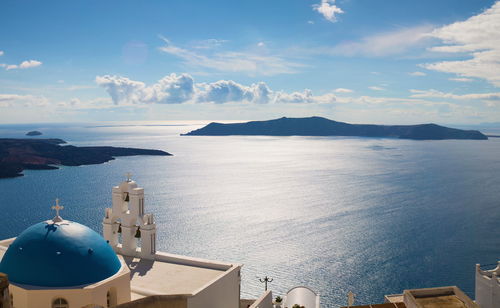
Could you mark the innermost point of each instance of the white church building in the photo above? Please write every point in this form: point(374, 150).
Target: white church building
point(59, 263)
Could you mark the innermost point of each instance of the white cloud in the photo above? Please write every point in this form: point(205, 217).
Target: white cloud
point(420, 106)
point(310, 22)
point(20, 102)
point(385, 44)
point(328, 9)
point(179, 89)
point(171, 89)
point(261, 44)
point(305, 96)
point(77, 87)
point(75, 101)
point(225, 91)
point(96, 103)
point(439, 94)
point(365, 100)
point(15, 100)
point(461, 79)
point(343, 90)
point(29, 64)
point(479, 38)
point(375, 88)
point(295, 97)
point(23, 65)
point(209, 43)
point(417, 74)
point(252, 63)
point(394, 110)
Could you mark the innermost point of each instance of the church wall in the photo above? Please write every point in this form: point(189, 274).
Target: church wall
point(223, 292)
point(158, 301)
point(43, 298)
point(93, 294)
point(119, 285)
point(19, 295)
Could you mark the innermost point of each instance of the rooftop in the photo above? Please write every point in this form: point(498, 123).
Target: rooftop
point(171, 277)
point(386, 305)
point(441, 297)
point(445, 301)
point(394, 298)
point(4, 244)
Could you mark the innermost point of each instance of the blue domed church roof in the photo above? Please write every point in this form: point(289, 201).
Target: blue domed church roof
point(61, 254)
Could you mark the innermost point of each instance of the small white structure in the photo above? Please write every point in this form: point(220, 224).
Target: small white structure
point(488, 287)
point(302, 296)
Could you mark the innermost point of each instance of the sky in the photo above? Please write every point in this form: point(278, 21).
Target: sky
point(359, 61)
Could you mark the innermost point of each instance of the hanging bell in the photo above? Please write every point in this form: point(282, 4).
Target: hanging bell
point(138, 233)
point(126, 199)
point(120, 228)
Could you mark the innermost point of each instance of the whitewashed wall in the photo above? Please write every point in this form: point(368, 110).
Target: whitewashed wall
point(93, 294)
point(223, 292)
point(487, 288)
point(264, 301)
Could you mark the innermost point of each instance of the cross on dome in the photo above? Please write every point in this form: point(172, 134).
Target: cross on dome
point(129, 176)
point(57, 208)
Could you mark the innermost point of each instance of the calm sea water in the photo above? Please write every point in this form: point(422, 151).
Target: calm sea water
point(372, 216)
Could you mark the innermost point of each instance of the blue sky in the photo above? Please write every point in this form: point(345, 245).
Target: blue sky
point(362, 61)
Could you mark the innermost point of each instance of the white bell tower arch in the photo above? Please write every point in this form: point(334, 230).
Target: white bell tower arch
point(127, 216)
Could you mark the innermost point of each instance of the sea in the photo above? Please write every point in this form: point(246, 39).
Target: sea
point(373, 216)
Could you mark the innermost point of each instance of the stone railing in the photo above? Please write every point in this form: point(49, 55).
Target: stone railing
point(488, 273)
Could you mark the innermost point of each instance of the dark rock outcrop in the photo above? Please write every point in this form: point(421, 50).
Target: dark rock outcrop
point(17, 155)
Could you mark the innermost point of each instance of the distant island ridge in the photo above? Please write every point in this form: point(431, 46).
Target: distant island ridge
point(17, 155)
point(318, 126)
point(34, 133)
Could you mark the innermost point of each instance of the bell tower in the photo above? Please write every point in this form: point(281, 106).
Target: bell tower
point(126, 227)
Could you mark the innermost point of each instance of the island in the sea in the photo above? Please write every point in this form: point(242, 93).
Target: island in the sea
point(318, 126)
point(34, 133)
point(17, 155)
